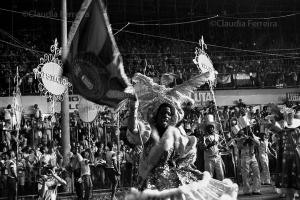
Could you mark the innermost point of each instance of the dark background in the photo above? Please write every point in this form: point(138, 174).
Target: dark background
point(168, 11)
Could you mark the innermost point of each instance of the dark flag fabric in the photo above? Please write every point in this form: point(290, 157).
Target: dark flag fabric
point(93, 62)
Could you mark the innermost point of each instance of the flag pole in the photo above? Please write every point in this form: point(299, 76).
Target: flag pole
point(118, 140)
point(65, 103)
point(16, 127)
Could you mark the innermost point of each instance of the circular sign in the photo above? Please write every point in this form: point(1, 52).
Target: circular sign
point(88, 110)
point(205, 63)
point(51, 75)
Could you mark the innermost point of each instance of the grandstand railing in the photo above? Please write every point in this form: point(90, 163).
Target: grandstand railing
point(224, 81)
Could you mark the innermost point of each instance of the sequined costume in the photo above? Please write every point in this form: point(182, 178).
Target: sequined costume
point(168, 165)
point(288, 162)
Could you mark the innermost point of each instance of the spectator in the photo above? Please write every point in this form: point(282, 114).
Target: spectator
point(241, 104)
point(12, 176)
point(8, 113)
point(48, 183)
point(37, 113)
point(86, 174)
point(76, 169)
point(112, 169)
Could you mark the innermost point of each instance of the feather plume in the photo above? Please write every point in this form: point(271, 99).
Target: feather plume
point(151, 94)
point(189, 86)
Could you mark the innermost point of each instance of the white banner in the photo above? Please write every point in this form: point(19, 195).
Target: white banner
point(294, 97)
point(18, 108)
point(201, 98)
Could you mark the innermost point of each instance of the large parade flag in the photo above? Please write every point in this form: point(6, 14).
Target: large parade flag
point(93, 62)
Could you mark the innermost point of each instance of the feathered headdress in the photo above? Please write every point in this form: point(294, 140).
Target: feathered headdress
point(279, 114)
point(151, 95)
point(282, 111)
point(286, 110)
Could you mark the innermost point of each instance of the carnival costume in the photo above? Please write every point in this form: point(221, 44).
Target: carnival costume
point(247, 144)
point(166, 165)
point(288, 148)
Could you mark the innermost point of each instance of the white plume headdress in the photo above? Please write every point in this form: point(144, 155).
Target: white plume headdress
point(151, 95)
point(286, 110)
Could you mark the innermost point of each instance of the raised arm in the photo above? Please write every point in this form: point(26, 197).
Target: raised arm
point(133, 114)
point(138, 131)
point(254, 138)
point(79, 157)
point(60, 180)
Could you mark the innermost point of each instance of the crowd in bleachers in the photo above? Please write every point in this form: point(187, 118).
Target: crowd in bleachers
point(154, 57)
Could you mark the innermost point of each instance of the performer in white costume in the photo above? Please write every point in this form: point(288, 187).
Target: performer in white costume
point(168, 155)
point(246, 144)
point(212, 157)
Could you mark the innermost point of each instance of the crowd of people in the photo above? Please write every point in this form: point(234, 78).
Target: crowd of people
point(256, 140)
point(225, 147)
point(156, 57)
point(234, 142)
point(38, 146)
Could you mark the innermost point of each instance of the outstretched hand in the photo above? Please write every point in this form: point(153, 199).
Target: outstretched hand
point(52, 172)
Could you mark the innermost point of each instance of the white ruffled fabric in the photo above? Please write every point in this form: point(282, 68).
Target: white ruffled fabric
point(205, 189)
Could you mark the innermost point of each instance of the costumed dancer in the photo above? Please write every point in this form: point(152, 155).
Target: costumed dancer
point(165, 149)
point(264, 149)
point(246, 144)
point(288, 162)
point(212, 158)
point(168, 155)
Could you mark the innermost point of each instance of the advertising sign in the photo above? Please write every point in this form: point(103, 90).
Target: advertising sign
point(49, 73)
point(88, 110)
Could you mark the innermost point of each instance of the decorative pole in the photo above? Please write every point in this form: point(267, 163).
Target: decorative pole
point(65, 103)
point(202, 44)
point(201, 51)
point(16, 92)
point(118, 140)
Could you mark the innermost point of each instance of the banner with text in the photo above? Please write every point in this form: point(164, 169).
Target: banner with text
point(293, 97)
point(201, 98)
